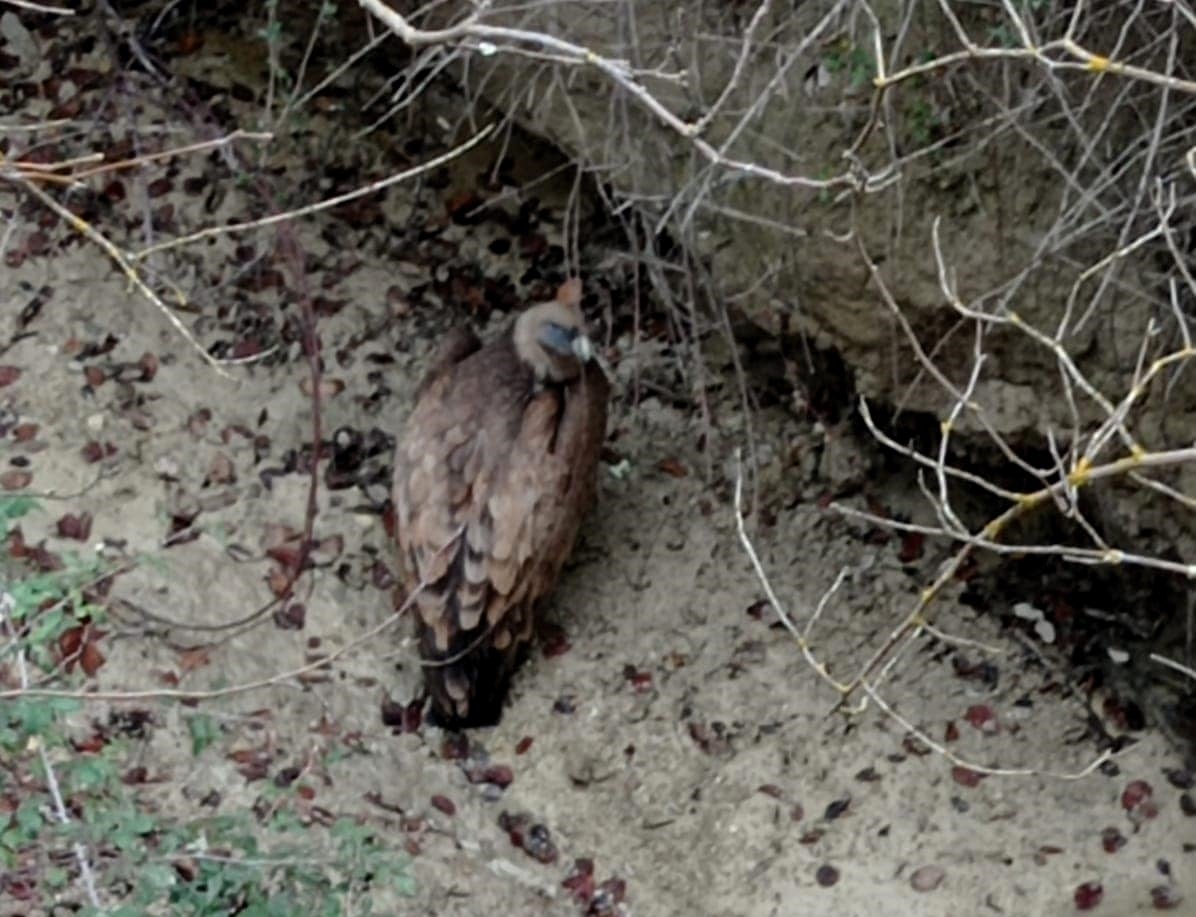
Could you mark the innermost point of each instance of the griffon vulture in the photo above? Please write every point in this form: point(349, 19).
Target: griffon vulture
point(493, 473)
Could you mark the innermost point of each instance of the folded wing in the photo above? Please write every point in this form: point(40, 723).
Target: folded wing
point(492, 479)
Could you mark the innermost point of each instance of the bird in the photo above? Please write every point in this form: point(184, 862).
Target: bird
point(494, 471)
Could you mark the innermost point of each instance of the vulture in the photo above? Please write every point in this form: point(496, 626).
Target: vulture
point(493, 473)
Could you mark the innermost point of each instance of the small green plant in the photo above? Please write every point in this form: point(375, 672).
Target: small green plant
point(1004, 35)
point(75, 814)
point(922, 122)
point(225, 865)
point(204, 731)
point(13, 508)
point(856, 63)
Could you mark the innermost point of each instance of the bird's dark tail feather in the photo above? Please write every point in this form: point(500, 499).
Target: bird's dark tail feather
point(484, 676)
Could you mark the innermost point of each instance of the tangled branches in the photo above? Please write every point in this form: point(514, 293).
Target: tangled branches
point(987, 210)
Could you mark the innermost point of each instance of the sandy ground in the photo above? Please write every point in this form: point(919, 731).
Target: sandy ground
point(680, 741)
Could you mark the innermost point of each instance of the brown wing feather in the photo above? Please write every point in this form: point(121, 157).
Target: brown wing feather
point(458, 344)
point(491, 483)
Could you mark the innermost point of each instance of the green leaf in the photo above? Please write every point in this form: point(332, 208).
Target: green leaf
point(61, 706)
point(204, 731)
point(121, 911)
point(13, 508)
point(13, 840)
point(271, 34)
point(404, 882)
point(28, 818)
point(89, 773)
point(159, 877)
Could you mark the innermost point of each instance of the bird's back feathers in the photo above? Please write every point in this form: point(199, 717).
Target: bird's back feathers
point(492, 477)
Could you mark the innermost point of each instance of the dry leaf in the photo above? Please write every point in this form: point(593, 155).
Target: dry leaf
point(16, 479)
point(221, 470)
point(194, 658)
point(91, 658)
point(75, 527)
point(673, 468)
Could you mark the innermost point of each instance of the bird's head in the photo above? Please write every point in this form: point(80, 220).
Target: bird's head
point(551, 337)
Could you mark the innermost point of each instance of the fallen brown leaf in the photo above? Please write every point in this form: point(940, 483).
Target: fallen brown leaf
point(91, 659)
point(194, 658)
point(673, 468)
point(16, 479)
point(75, 527)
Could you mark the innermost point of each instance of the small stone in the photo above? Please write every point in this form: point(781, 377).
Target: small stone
point(1187, 804)
point(927, 878)
point(1165, 897)
point(826, 876)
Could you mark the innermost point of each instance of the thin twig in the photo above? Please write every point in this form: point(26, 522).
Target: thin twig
point(1172, 664)
point(371, 188)
point(123, 261)
point(40, 7)
point(82, 856)
point(214, 693)
point(618, 72)
point(870, 689)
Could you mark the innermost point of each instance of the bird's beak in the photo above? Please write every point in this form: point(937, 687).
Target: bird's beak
point(583, 349)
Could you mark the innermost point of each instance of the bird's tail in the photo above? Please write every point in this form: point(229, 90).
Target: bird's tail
point(467, 686)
